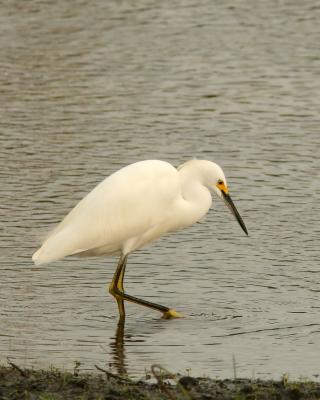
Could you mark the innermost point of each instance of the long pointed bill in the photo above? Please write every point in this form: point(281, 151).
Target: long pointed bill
point(234, 211)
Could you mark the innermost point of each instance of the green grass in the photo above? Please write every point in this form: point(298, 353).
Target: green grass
point(53, 384)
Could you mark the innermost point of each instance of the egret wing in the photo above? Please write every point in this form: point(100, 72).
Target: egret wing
point(123, 206)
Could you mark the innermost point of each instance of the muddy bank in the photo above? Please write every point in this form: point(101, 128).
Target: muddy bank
point(19, 384)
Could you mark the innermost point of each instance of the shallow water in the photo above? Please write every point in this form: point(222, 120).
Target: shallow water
point(88, 88)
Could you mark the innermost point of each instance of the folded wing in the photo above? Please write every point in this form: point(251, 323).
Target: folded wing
point(123, 206)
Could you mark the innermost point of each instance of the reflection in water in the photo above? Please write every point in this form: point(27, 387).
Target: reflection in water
point(118, 349)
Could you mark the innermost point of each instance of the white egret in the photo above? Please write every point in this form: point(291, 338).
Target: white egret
point(132, 207)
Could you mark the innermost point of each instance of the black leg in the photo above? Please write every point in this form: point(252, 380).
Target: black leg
point(117, 290)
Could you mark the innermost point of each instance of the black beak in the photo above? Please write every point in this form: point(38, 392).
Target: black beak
point(234, 211)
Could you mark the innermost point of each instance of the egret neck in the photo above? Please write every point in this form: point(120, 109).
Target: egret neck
point(197, 196)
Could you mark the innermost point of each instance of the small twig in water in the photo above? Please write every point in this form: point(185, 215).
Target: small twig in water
point(234, 366)
point(14, 366)
point(111, 375)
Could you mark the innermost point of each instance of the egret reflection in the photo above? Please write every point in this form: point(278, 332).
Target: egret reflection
point(117, 346)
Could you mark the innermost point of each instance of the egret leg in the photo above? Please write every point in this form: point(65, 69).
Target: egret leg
point(116, 286)
point(121, 276)
point(120, 287)
point(117, 290)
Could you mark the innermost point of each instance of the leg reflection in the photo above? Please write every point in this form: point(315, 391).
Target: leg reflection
point(118, 349)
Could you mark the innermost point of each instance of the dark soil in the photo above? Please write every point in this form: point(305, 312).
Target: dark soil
point(19, 384)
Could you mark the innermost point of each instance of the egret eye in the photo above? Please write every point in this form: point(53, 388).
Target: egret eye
point(220, 182)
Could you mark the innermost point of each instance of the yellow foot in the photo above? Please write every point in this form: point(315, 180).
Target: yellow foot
point(172, 314)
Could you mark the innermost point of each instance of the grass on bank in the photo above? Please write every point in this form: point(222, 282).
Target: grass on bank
point(18, 383)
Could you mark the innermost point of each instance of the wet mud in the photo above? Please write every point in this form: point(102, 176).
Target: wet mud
point(18, 384)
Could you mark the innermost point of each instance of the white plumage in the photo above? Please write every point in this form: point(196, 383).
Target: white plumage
point(134, 206)
point(129, 208)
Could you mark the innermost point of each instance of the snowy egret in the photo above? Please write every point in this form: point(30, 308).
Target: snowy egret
point(132, 207)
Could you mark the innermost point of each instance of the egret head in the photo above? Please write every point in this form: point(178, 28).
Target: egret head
point(218, 184)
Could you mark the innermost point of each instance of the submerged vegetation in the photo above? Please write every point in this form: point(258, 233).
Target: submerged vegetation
point(18, 384)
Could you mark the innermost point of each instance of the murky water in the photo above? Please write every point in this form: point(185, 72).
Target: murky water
point(88, 87)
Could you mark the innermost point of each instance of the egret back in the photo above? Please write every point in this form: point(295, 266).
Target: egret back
point(126, 205)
